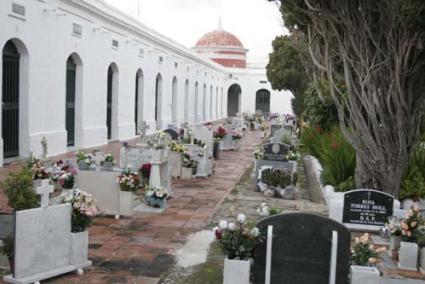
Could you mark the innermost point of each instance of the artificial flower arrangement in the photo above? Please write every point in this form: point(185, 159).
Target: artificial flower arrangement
point(393, 227)
point(294, 156)
point(220, 132)
point(157, 193)
point(145, 170)
point(176, 147)
point(84, 158)
point(363, 253)
point(188, 161)
point(83, 210)
point(38, 171)
point(236, 135)
point(128, 181)
point(237, 240)
point(259, 154)
point(67, 179)
point(265, 210)
point(107, 158)
point(410, 224)
point(56, 170)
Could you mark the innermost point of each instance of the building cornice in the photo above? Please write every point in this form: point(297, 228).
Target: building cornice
point(110, 14)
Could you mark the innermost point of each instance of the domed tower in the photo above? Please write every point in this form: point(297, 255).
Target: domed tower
point(222, 47)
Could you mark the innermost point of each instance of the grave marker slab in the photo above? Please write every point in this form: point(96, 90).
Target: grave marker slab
point(276, 151)
point(367, 208)
point(302, 245)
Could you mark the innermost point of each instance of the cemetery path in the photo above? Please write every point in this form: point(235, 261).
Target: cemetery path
point(139, 249)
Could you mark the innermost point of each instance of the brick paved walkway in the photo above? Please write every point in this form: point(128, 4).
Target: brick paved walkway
point(139, 249)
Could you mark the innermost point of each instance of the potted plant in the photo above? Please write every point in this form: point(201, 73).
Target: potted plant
point(408, 253)
point(67, 181)
point(18, 188)
point(237, 240)
point(108, 162)
point(129, 183)
point(420, 240)
point(156, 197)
point(39, 172)
point(84, 161)
point(189, 166)
point(363, 260)
point(145, 172)
point(83, 211)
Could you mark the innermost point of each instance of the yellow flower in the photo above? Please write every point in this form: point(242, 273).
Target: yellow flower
point(372, 260)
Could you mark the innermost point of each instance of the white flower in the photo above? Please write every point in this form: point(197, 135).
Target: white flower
point(232, 226)
point(222, 224)
point(216, 229)
point(255, 232)
point(241, 218)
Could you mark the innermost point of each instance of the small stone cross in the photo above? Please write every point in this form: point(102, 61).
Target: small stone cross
point(98, 157)
point(142, 128)
point(44, 189)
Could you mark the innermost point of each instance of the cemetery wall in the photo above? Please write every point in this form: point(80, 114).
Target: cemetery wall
point(98, 36)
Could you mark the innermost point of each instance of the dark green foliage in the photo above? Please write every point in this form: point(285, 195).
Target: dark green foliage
point(79, 221)
point(413, 185)
point(8, 246)
point(276, 177)
point(335, 154)
point(18, 189)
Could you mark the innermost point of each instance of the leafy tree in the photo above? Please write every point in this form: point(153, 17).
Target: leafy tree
point(372, 54)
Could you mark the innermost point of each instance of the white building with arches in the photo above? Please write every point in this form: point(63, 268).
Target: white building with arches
point(81, 73)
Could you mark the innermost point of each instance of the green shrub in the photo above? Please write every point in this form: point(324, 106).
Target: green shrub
point(8, 246)
point(335, 154)
point(276, 177)
point(413, 185)
point(18, 189)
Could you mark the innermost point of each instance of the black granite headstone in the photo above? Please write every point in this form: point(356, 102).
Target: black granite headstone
point(367, 207)
point(301, 250)
point(174, 135)
point(276, 151)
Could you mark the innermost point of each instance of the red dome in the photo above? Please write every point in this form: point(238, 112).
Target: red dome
point(219, 38)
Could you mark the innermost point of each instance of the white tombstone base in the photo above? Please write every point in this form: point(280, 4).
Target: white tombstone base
point(46, 274)
point(236, 271)
point(364, 275)
point(408, 256)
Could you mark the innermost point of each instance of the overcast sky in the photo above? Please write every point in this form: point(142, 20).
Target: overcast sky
point(255, 22)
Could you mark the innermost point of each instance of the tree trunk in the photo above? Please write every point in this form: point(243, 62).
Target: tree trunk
point(363, 177)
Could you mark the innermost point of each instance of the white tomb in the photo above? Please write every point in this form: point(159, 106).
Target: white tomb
point(43, 246)
point(201, 155)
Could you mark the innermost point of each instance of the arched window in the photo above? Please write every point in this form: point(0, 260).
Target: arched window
point(204, 103)
point(71, 80)
point(158, 101)
point(138, 100)
point(186, 101)
point(174, 102)
point(233, 100)
point(216, 103)
point(112, 95)
point(196, 114)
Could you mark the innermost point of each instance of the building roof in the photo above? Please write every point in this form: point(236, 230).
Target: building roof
point(218, 38)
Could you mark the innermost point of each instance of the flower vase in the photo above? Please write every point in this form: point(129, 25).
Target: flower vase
point(126, 203)
point(364, 275)
point(422, 260)
point(408, 256)
point(79, 245)
point(83, 166)
point(394, 243)
point(156, 202)
point(236, 271)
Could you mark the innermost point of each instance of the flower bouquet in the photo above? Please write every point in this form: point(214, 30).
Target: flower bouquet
point(258, 154)
point(67, 180)
point(83, 210)
point(156, 197)
point(145, 171)
point(38, 171)
point(176, 147)
point(128, 181)
point(265, 210)
point(220, 132)
point(84, 160)
point(237, 239)
point(363, 253)
point(236, 135)
point(108, 161)
point(410, 224)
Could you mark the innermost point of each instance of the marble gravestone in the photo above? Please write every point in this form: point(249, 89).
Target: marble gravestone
point(301, 250)
point(281, 133)
point(367, 209)
point(274, 127)
point(276, 151)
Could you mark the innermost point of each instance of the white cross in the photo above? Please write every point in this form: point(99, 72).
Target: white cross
point(98, 157)
point(142, 128)
point(44, 190)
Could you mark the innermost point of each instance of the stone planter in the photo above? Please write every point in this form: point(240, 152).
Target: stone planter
point(408, 256)
point(422, 260)
point(364, 275)
point(187, 173)
point(236, 271)
point(156, 202)
point(394, 243)
point(83, 166)
point(79, 245)
point(126, 202)
point(107, 167)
